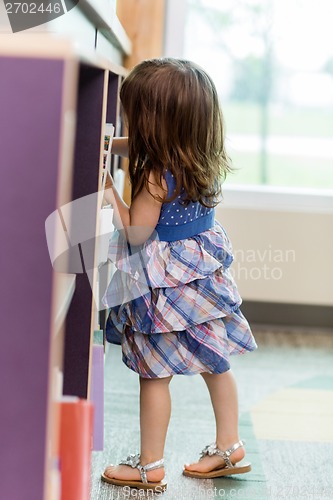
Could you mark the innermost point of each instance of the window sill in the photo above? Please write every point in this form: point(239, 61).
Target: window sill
point(278, 198)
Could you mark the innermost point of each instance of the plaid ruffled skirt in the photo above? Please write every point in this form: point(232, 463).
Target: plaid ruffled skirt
point(174, 305)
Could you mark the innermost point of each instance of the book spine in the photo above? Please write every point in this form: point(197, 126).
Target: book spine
point(76, 425)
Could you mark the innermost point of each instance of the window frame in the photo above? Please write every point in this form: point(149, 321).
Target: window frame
point(257, 196)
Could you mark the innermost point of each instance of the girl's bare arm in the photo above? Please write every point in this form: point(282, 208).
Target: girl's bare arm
point(120, 146)
point(140, 219)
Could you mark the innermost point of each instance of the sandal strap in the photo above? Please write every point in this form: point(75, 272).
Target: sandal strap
point(152, 466)
point(212, 449)
point(134, 461)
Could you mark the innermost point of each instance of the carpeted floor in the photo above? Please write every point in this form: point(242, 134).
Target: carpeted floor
point(286, 418)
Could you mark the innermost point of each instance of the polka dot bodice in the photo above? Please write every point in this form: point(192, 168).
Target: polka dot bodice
point(178, 221)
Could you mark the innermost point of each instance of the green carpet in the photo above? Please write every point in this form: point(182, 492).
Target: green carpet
point(245, 486)
point(320, 382)
point(275, 472)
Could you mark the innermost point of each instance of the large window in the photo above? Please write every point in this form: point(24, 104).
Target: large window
point(272, 61)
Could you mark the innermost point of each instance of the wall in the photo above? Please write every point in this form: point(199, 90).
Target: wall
point(143, 21)
point(283, 243)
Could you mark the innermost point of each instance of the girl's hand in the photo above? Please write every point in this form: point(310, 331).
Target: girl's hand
point(109, 180)
point(120, 146)
point(109, 183)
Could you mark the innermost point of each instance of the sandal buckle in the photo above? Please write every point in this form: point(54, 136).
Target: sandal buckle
point(134, 462)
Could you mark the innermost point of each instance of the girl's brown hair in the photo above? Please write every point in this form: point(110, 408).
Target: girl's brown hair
point(175, 123)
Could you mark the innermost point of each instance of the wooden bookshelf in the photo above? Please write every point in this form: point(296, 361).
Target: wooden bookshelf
point(55, 98)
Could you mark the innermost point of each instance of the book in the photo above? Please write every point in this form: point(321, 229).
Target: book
point(108, 137)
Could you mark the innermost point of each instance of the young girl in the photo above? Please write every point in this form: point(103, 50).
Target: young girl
point(173, 293)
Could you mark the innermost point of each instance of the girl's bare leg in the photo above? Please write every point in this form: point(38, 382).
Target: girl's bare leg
point(223, 393)
point(155, 411)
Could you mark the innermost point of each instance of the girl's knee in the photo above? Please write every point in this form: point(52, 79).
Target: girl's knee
point(156, 380)
point(211, 376)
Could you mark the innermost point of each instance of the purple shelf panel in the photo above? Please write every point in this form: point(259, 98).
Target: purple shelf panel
point(113, 89)
point(111, 112)
point(97, 396)
point(85, 182)
point(30, 104)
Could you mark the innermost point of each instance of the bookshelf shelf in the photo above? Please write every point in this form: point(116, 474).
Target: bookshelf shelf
point(55, 99)
point(65, 287)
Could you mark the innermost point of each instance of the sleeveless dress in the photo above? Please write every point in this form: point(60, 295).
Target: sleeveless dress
point(174, 305)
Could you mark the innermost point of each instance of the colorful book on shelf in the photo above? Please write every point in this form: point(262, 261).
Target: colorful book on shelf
point(108, 137)
point(97, 392)
point(75, 445)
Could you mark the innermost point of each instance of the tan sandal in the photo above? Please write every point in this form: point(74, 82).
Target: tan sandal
point(228, 468)
point(134, 462)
